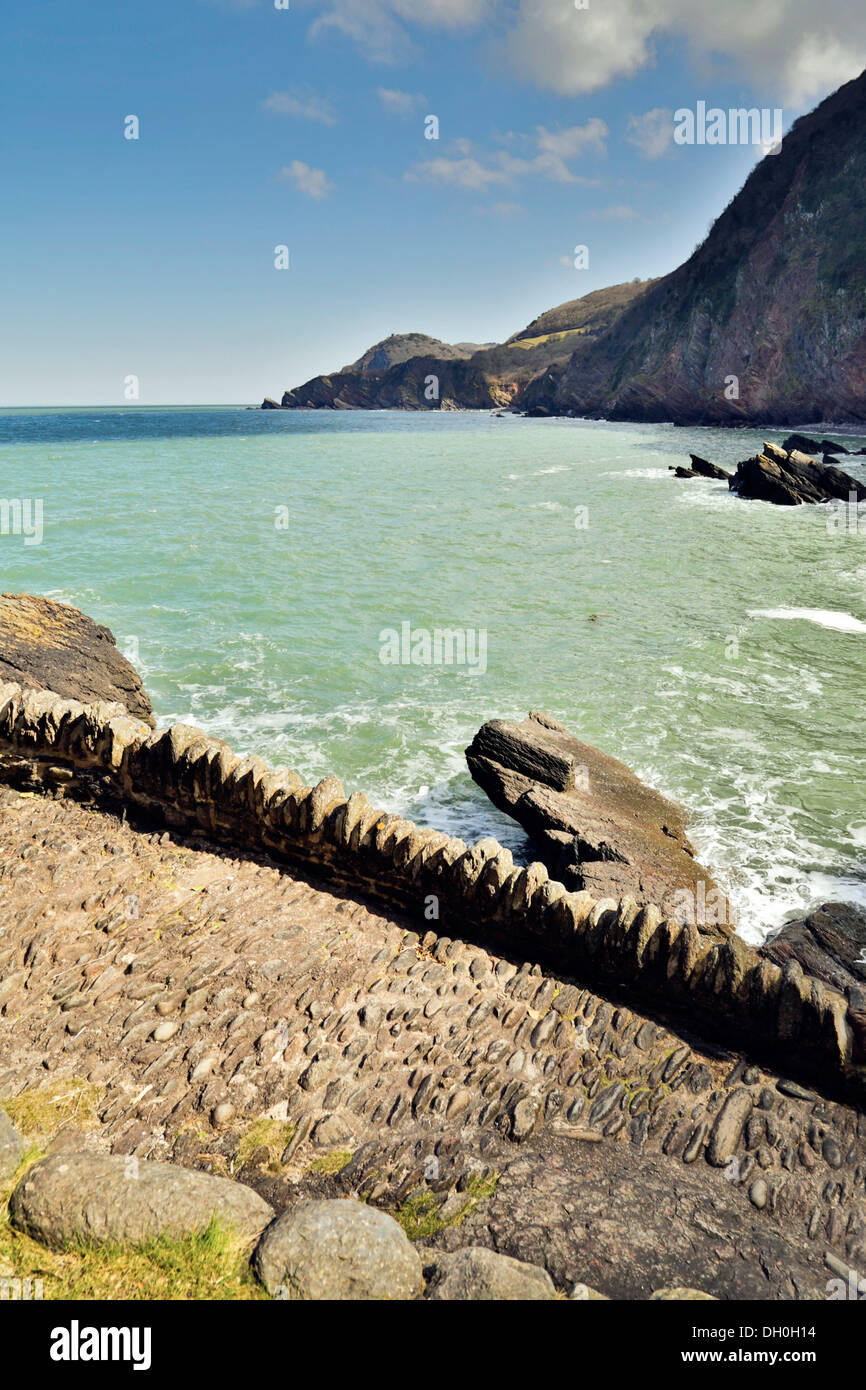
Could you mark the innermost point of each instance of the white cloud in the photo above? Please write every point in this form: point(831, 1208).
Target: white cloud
point(619, 212)
point(652, 133)
point(303, 103)
point(556, 147)
point(458, 173)
point(545, 156)
point(312, 182)
point(398, 103)
point(378, 26)
point(792, 51)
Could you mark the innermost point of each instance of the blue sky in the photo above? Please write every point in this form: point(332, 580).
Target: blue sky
point(305, 127)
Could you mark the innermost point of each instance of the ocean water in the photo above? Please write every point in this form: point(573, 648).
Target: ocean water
point(249, 562)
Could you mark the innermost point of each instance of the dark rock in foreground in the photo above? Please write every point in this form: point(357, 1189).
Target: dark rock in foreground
point(830, 945)
point(50, 646)
point(597, 826)
point(700, 468)
point(789, 479)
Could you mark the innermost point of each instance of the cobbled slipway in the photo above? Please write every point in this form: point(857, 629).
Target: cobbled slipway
point(201, 994)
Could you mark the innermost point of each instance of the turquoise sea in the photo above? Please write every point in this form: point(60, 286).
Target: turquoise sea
point(249, 562)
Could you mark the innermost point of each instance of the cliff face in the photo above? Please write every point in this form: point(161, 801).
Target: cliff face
point(423, 383)
point(395, 374)
point(775, 297)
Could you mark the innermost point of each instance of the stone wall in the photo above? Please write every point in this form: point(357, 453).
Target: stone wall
point(183, 779)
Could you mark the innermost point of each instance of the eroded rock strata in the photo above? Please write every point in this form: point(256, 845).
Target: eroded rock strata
point(49, 645)
point(792, 478)
point(596, 826)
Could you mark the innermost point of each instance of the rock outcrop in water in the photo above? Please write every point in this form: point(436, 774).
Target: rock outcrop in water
point(700, 468)
point(790, 479)
point(50, 646)
point(596, 825)
point(806, 445)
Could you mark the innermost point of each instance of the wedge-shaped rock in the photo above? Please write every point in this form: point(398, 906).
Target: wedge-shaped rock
point(596, 826)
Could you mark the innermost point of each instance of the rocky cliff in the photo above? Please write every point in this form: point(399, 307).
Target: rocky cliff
point(766, 322)
point(396, 373)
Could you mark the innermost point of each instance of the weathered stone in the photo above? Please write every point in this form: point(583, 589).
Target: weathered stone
point(790, 478)
point(626, 838)
point(88, 1197)
point(49, 645)
point(339, 1249)
point(481, 1274)
point(728, 1127)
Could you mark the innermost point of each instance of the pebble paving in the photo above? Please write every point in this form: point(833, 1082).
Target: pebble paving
point(230, 1015)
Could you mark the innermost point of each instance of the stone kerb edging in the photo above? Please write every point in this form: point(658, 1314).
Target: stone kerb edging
point(187, 780)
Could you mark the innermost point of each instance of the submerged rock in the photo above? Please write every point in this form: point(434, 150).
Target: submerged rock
point(48, 645)
point(596, 825)
point(789, 479)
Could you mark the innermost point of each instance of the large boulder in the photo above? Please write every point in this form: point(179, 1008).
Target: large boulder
point(49, 646)
point(338, 1249)
point(596, 826)
point(82, 1196)
point(792, 478)
point(483, 1275)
